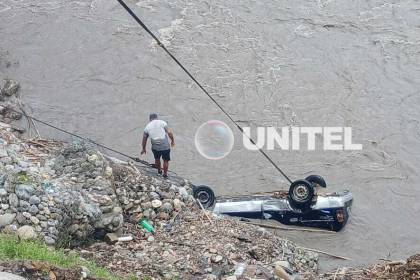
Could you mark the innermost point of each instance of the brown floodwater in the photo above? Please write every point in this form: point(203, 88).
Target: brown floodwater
point(87, 67)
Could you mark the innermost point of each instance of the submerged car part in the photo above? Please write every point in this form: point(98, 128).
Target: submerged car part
point(205, 195)
point(330, 211)
point(299, 206)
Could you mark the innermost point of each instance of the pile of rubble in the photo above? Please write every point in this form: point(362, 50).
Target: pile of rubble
point(24, 270)
point(197, 245)
point(70, 192)
point(387, 270)
point(9, 105)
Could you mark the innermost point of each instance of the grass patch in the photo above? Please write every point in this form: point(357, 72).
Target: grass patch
point(13, 249)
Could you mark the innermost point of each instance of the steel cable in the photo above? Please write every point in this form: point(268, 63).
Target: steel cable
point(140, 22)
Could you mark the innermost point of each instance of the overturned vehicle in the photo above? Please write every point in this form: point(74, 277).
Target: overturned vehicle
point(302, 205)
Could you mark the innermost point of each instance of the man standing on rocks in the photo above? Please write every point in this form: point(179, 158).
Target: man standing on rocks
point(159, 132)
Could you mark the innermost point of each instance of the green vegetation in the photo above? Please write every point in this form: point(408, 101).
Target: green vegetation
point(13, 249)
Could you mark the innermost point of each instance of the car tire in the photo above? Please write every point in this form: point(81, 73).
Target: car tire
point(205, 195)
point(316, 180)
point(301, 193)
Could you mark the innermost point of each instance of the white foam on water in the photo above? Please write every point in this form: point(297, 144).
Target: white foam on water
point(167, 34)
point(304, 31)
point(4, 7)
point(147, 4)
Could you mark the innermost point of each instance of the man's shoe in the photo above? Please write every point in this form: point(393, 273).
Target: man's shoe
point(160, 172)
point(165, 176)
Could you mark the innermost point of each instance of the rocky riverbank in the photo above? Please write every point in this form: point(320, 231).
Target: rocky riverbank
point(71, 195)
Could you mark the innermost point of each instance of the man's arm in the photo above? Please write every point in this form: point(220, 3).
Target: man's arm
point(171, 136)
point(143, 143)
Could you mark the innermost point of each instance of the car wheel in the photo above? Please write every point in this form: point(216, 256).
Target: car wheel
point(301, 193)
point(316, 180)
point(205, 195)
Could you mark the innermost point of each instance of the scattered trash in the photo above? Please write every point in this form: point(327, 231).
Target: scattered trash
point(239, 269)
point(146, 225)
point(125, 238)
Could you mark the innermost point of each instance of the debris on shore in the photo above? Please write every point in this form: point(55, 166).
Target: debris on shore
point(40, 270)
point(386, 270)
point(190, 246)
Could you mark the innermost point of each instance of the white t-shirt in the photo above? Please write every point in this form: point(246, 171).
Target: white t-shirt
point(157, 131)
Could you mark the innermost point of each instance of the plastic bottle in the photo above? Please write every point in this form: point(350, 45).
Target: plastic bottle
point(146, 225)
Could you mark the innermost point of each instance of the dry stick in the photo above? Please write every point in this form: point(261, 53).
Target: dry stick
point(134, 167)
point(32, 141)
point(204, 210)
point(284, 245)
point(396, 263)
point(335, 274)
point(290, 228)
point(176, 216)
point(45, 147)
point(30, 120)
point(326, 253)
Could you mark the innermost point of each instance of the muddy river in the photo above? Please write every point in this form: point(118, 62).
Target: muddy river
point(87, 67)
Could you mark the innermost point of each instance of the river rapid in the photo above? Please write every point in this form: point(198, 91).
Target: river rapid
point(88, 67)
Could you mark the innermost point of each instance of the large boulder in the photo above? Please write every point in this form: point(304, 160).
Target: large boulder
point(7, 219)
point(24, 191)
point(26, 233)
point(13, 200)
point(9, 276)
point(10, 88)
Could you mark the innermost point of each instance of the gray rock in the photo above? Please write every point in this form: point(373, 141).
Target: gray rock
point(10, 229)
point(34, 220)
point(10, 88)
point(27, 215)
point(111, 238)
point(183, 192)
point(49, 240)
point(53, 230)
point(7, 219)
point(3, 152)
point(41, 217)
point(167, 207)
point(26, 233)
point(177, 204)
point(33, 210)
point(9, 276)
point(105, 221)
point(20, 218)
point(154, 195)
point(24, 191)
point(34, 200)
point(85, 272)
point(146, 205)
point(92, 210)
point(3, 192)
point(13, 200)
point(9, 187)
point(284, 264)
point(217, 259)
point(106, 209)
point(6, 160)
point(24, 204)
